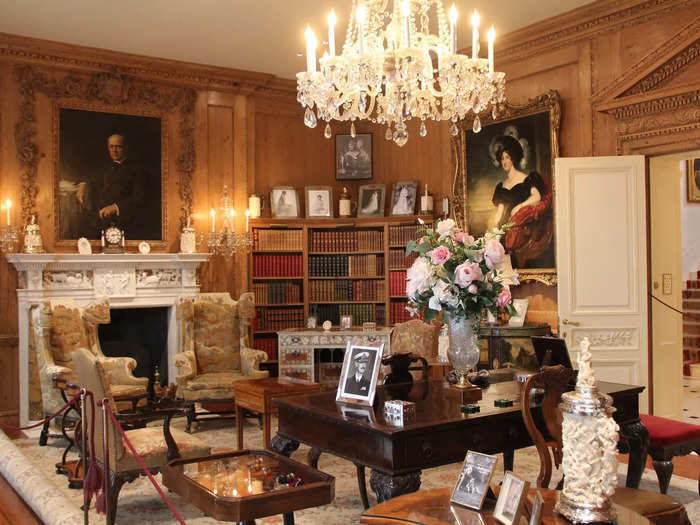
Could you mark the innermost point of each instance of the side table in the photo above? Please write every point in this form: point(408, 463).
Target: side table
point(257, 395)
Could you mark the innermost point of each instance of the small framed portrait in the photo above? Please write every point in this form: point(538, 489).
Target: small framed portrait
point(345, 322)
point(536, 513)
point(319, 201)
point(473, 482)
point(284, 202)
point(353, 156)
point(403, 198)
point(358, 378)
point(511, 499)
point(312, 321)
point(693, 174)
point(371, 200)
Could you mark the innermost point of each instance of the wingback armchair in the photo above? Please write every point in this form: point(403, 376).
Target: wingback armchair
point(214, 351)
point(59, 327)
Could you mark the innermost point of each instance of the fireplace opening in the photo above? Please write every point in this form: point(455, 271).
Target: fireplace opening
point(140, 333)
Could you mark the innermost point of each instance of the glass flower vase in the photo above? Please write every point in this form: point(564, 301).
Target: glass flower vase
point(463, 352)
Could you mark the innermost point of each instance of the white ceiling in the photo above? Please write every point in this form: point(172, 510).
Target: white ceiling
point(259, 35)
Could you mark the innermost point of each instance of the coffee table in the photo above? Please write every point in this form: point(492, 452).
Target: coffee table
point(257, 395)
point(245, 485)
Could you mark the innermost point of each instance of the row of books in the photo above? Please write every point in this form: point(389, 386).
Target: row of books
point(267, 345)
point(346, 241)
point(278, 318)
point(402, 233)
point(399, 314)
point(398, 259)
point(397, 283)
point(277, 266)
point(346, 290)
point(370, 265)
point(277, 292)
point(361, 313)
point(277, 240)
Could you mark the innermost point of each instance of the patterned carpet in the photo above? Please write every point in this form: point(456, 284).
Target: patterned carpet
point(140, 504)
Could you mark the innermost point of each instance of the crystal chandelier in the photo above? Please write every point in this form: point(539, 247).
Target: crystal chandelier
point(393, 69)
point(226, 241)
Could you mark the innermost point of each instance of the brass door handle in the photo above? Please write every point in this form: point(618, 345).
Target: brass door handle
point(572, 323)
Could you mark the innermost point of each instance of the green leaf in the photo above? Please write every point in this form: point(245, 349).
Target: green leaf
point(430, 314)
point(411, 246)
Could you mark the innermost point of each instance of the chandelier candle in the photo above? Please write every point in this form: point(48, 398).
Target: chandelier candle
point(8, 205)
point(453, 27)
point(213, 220)
point(406, 13)
point(475, 35)
point(361, 14)
point(310, 51)
point(331, 33)
point(491, 37)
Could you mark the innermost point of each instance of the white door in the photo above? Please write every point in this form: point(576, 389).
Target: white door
point(602, 264)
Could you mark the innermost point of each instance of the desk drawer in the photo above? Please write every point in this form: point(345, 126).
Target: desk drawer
point(296, 356)
point(304, 373)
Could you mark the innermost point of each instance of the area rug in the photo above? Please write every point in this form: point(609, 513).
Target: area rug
point(140, 504)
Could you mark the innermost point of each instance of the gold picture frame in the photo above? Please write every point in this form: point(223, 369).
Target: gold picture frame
point(693, 175)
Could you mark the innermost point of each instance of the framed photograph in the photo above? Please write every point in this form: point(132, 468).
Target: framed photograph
point(284, 202)
point(312, 321)
point(345, 322)
point(511, 499)
point(693, 174)
point(319, 201)
point(358, 378)
point(403, 198)
point(473, 481)
point(110, 169)
point(536, 512)
point(371, 200)
point(353, 156)
point(507, 176)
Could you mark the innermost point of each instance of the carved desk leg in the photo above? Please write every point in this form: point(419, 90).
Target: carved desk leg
point(637, 437)
point(283, 445)
point(386, 486)
point(312, 457)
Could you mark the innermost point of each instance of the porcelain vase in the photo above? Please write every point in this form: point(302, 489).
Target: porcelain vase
point(463, 352)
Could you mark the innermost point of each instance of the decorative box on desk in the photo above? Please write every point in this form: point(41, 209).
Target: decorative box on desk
point(300, 350)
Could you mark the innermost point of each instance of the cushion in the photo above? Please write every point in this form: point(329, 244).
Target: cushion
point(646, 503)
point(215, 380)
point(663, 431)
point(126, 390)
point(418, 337)
point(67, 334)
point(149, 442)
point(216, 337)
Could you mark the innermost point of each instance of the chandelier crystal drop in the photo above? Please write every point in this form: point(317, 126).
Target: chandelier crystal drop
point(392, 68)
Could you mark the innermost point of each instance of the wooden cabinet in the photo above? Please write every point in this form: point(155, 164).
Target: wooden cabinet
point(328, 268)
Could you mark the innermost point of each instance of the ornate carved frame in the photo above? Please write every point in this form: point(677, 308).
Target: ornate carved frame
point(58, 105)
point(548, 102)
point(107, 90)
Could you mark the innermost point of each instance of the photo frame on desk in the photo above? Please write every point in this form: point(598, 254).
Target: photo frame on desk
point(359, 375)
point(551, 351)
point(473, 482)
point(511, 499)
point(319, 201)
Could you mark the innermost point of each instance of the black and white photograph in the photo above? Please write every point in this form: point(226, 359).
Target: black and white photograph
point(319, 201)
point(403, 198)
point(473, 481)
point(536, 513)
point(346, 322)
point(510, 500)
point(371, 200)
point(358, 378)
point(284, 202)
point(353, 156)
point(109, 171)
point(693, 174)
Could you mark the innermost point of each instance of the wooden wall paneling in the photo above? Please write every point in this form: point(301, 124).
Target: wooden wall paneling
point(240, 187)
point(9, 386)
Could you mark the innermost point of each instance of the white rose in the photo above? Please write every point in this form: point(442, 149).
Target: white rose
point(445, 228)
point(434, 303)
point(494, 253)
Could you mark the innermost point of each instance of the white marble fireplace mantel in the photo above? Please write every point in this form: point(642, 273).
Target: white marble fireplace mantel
point(129, 280)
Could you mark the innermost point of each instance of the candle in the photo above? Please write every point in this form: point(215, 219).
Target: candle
point(406, 13)
point(492, 37)
point(188, 222)
point(255, 206)
point(475, 35)
point(452, 14)
point(213, 220)
point(331, 33)
point(360, 23)
point(232, 214)
point(310, 50)
point(247, 218)
point(8, 205)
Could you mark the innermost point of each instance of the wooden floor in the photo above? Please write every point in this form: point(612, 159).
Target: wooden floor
point(683, 466)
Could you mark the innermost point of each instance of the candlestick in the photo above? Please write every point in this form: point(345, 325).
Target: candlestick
point(310, 50)
point(491, 37)
point(360, 23)
point(331, 33)
point(426, 190)
point(188, 223)
point(475, 35)
point(247, 217)
point(452, 14)
point(213, 220)
point(406, 13)
point(8, 205)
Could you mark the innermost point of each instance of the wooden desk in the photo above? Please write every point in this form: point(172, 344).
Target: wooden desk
point(257, 394)
point(441, 433)
point(432, 507)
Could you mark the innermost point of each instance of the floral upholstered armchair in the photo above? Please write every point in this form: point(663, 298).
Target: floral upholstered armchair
point(419, 338)
point(58, 327)
point(214, 350)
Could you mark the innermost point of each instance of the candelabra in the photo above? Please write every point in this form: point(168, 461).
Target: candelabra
point(226, 241)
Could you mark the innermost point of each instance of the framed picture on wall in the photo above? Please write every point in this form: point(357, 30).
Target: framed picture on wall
point(508, 177)
point(284, 202)
point(353, 156)
point(693, 174)
point(110, 169)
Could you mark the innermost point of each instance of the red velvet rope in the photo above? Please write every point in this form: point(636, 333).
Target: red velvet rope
point(140, 461)
point(65, 407)
point(686, 315)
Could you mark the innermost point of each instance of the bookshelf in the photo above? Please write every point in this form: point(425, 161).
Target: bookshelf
point(328, 268)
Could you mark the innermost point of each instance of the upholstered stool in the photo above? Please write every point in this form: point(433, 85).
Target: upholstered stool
point(668, 438)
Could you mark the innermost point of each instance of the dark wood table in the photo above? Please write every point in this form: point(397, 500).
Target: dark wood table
point(441, 433)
